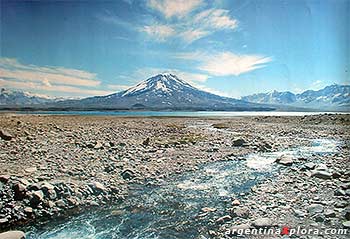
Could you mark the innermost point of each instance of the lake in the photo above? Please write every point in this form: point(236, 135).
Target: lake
point(175, 113)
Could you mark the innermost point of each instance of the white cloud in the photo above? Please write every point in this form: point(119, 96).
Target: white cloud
point(11, 68)
point(177, 8)
point(118, 87)
point(215, 19)
point(192, 35)
point(159, 32)
point(227, 63)
point(37, 86)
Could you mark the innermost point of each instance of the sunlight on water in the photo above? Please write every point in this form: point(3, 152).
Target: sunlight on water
point(264, 161)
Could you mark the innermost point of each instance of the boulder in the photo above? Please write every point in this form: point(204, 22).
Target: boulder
point(20, 191)
point(238, 142)
point(12, 235)
point(310, 165)
point(5, 135)
point(262, 222)
point(224, 219)
point(37, 198)
point(98, 187)
point(321, 174)
point(329, 213)
point(146, 142)
point(4, 178)
point(315, 208)
point(127, 174)
point(98, 145)
point(346, 224)
point(285, 160)
point(242, 212)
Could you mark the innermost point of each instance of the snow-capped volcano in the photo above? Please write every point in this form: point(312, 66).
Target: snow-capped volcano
point(165, 83)
point(163, 92)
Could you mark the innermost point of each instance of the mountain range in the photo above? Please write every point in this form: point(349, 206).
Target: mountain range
point(167, 92)
point(333, 97)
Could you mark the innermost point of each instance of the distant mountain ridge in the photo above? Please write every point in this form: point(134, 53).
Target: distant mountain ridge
point(16, 97)
point(167, 92)
point(331, 97)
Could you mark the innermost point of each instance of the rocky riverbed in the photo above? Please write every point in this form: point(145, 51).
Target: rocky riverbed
point(51, 166)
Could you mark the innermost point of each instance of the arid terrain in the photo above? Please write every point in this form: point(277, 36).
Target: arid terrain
point(58, 165)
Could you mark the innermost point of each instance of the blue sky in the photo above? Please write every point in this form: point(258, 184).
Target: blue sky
point(229, 47)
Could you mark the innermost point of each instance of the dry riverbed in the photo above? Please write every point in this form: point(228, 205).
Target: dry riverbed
point(54, 165)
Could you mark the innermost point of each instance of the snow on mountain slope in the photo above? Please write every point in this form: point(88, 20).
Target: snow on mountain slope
point(333, 96)
point(15, 97)
point(163, 92)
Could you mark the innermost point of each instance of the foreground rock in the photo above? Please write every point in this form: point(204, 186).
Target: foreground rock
point(63, 164)
point(5, 135)
point(12, 235)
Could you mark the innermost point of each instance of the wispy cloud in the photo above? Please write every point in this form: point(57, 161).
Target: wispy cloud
point(224, 63)
point(227, 63)
point(57, 80)
point(174, 8)
point(11, 68)
point(118, 87)
point(193, 34)
point(53, 88)
point(183, 20)
point(215, 19)
point(159, 32)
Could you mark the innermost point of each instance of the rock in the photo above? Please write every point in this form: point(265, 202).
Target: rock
point(321, 174)
point(60, 203)
point(45, 187)
point(127, 174)
point(238, 142)
point(321, 167)
point(299, 213)
point(329, 213)
point(319, 218)
point(98, 145)
point(94, 204)
point(146, 142)
point(315, 208)
point(224, 219)
point(235, 202)
point(4, 178)
point(37, 198)
point(242, 212)
point(262, 222)
point(346, 224)
point(285, 160)
point(28, 210)
point(12, 235)
point(339, 192)
point(208, 209)
point(20, 191)
point(31, 170)
point(346, 213)
point(98, 187)
point(5, 135)
point(345, 186)
point(310, 165)
point(3, 221)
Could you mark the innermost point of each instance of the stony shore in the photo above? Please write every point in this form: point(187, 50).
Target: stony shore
point(54, 165)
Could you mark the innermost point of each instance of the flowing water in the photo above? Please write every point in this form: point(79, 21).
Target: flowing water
point(174, 208)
